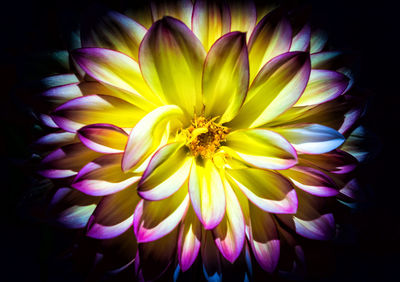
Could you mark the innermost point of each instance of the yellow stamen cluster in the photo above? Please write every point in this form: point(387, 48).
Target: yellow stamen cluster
point(204, 136)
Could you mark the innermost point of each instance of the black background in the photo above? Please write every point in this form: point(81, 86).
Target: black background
point(30, 249)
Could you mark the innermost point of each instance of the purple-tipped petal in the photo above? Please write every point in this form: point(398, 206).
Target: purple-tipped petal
point(155, 219)
point(319, 228)
point(91, 109)
point(323, 86)
point(268, 190)
point(301, 41)
point(103, 138)
point(113, 215)
point(104, 176)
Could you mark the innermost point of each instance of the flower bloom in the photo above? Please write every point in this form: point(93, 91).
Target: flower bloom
point(206, 129)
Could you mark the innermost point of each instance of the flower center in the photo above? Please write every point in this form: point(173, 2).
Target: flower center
point(204, 136)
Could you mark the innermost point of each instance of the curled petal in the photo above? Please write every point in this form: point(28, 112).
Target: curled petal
point(312, 181)
point(66, 161)
point(323, 86)
point(171, 59)
point(312, 138)
point(230, 233)
point(103, 138)
point(261, 148)
point(207, 193)
point(264, 239)
point(189, 240)
point(104, 176)
point(271, 37)
point(276, 88)
point(166, 172)
point(91, 109)
point(226, 76)
point(113, 215)
point(268, 190)
point(180, 9)
point(146, 136)
point(112, 30)
point(155, 219)
point(118, 70)
point(210, 21)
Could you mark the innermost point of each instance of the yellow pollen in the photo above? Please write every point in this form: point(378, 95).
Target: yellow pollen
point(204, 136)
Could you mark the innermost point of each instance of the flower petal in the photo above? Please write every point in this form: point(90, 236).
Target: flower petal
point(66, 161)
point(311, 138)
point(112, 30)
point(271, 37)
point(226, 76)
point(312, 181)
point(324, 60)
point(146, 136)
point(243, 16)
point(180, 9)
point(155, 219)
point(210, 21)
point(166, 172)
point(315, 229)
point(171, 59)
point(118, 70)
point(104, 176)
point(91, 109)
point(207, 193)
point(337, 161)
point(264, 239)
point(56, 140)
point(323, 86)
point(230, 233)
point(261, 148)
point(189, 240)
point(113, 215)
point(276, 88)
point(59, 80)
point(268, 190)
point(103, 138)
point(318, 41)
point(301, 41)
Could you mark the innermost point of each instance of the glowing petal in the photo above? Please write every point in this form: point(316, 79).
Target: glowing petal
point(66, 161)
point(315, 229)
point(103, 138)
point(276, 88)
point(113, 30)
point(268, 190)
point(171, 59)
point(312, 138)
point(207, 193)
point(180, 9)
point(113, 215)
point(91, 109)
point(189, 240)
point(226, 76)
point(264, 239)
point(56, 140)
point(147, 134)
point(261, 148)
point(243, 16)
point(155, 219)
point(230, 233)
point(210, 21)
point(104, 176)
point(166, 172)
point(312, 181)
point(118, 70)
point(318, 41)
point(271, 37)
point(323, 86)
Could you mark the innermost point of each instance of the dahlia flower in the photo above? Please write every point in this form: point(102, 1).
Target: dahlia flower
point(210, 130)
